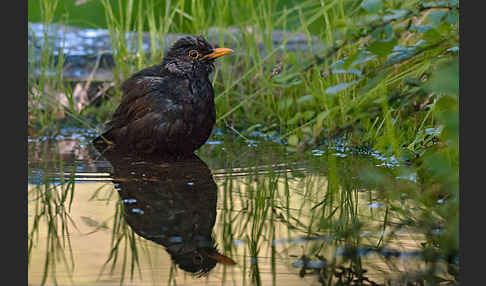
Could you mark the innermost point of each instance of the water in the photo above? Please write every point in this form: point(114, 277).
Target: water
point(235, 214)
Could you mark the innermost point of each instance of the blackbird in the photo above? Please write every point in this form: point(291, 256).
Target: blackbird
point(168, 107)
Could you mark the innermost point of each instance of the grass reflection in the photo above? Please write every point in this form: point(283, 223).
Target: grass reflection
point(50, 204)
point(339, 218)
point(347, 221)
point(123, 240)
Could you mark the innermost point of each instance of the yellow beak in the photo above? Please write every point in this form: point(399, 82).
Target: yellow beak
point(217, 53)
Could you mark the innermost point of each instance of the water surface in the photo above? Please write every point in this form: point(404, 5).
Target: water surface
point(241, 212)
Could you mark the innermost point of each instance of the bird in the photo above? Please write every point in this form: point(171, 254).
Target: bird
point(171, 202)
point(167, 108)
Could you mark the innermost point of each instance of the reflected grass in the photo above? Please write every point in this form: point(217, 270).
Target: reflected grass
point(49, 209)
point(337, 215)
point(124, 243)
point(331, 217)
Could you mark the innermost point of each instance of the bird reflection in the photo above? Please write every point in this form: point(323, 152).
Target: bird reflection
point(172, 203)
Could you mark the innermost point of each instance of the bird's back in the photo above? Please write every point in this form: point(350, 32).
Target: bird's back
point(162, 112)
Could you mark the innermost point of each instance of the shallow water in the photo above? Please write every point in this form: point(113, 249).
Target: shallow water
point(241, 212)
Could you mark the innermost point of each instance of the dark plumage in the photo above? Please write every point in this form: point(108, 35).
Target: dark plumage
point(169, 107)
point(172, 203)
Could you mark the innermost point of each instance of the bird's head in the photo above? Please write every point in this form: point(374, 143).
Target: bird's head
point(191, 56)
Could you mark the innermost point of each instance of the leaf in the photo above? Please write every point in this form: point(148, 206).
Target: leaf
point(80, 2)
point(446, 3)
point(364, 56)
point(382, 48)
point(318, 126)
point(436, 18)
point(432, 36)
point(433, 131)
point(419, 28)
point(388, 29)
point(372, 83)
point(453, 49)
point(295, 119)
point(372, 6)
point(305, 98)
point(293, 140)
point(347, 71)
point(400, 53)
point(292, 58)
point(323, 115)
point(340, 87)
point(338, 64)
point(446, 79)
point(287, 80)
point(452, 18)
point(395, 15)
point(351, 59)
point(309, 114)
point(253, 127)
point(285, 103)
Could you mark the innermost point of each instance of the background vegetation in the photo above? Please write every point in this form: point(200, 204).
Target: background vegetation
point(385, 78)
point(389, 69)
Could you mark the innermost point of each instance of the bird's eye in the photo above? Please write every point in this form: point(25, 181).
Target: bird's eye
point(193, 54)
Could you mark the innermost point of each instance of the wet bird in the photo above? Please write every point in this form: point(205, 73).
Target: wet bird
point(169, 107)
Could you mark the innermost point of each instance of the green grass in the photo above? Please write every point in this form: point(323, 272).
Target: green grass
point(405, 106)
point(407, 109)
point(310, 97)
point(394, 103)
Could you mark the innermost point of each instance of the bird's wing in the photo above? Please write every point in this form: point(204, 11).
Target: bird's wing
point(150, 112)
point(137, 97)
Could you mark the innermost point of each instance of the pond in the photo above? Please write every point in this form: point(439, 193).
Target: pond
point(241, 212)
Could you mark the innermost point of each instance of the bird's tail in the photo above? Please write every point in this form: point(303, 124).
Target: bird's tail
point(103, 141)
